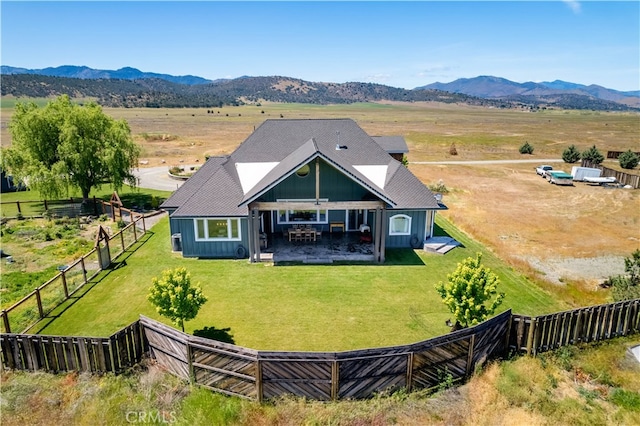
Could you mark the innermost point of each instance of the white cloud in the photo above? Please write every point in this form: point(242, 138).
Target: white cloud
point(377, 78)
point(574, 5)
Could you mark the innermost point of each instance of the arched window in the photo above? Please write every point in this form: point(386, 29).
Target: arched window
point(400, 224)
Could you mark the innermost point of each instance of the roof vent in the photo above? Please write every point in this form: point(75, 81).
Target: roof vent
point(338, 146)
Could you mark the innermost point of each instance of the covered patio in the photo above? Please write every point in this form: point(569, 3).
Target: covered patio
point(332, 247)
point(320, 243)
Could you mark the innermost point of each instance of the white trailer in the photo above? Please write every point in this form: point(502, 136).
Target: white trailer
point(579, 173)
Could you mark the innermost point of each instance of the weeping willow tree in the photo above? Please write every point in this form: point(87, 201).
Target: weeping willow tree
point(64, 145)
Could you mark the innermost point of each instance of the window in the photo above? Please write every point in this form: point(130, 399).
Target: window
point(303, 171)
point(400, 224)
point(217, 229)
point(302, 216)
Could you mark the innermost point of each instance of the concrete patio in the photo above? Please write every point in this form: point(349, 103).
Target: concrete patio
point(331, 247)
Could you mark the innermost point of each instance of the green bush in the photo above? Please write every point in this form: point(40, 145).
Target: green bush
point(593, 155)
point(526, 148)
point(628, 160)
point(571, 154)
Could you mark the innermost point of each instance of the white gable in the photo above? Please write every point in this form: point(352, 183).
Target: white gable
point(376, 174)
point(251, 173)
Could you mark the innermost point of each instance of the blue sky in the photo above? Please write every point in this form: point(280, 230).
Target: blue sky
point(401, 44)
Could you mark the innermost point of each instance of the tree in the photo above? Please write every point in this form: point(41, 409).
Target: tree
point(571, 154)
point(467, 290)
point(628, 160)
point(593, 155)
point(627, 287)
point(175, 298)
point(526, 148)
point(65, 144)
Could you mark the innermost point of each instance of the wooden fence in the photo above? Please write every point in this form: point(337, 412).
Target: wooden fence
point(533, 335)
point(35, 352)
point(615, 154)
point(35, 306)
point(622, 177)
point(262, 375)
point(71, 207)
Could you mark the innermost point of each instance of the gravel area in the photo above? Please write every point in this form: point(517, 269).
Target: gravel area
point(589, 268)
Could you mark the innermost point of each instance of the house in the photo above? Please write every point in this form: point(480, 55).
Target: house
point(325, 173)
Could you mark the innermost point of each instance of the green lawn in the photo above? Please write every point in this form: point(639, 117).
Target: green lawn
point(301, 307)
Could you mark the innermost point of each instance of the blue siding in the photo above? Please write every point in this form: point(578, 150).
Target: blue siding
point(334, 186)
point(418, 223)
point(208, 249)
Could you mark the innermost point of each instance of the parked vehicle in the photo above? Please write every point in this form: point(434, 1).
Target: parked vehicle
point(580, 173)
point(559, 177)
point(542, 170)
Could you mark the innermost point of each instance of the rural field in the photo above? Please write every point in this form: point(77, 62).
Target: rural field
point(568, 238)
point(553, 246)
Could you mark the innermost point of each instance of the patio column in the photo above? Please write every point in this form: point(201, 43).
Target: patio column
point(250, 235)
point(376, 236)
point(255, 235)
point(383, 234)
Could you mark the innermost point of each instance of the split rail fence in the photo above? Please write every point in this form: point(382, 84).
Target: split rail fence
point(262, 375)
point(35, 306)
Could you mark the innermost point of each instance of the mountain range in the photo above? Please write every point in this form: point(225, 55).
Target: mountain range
point(131, 87)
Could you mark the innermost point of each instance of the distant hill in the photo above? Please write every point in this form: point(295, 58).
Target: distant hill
point(129, 87)
point(82, 72)
point(499, 88)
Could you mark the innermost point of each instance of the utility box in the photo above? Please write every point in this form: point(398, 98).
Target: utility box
point(176, 242)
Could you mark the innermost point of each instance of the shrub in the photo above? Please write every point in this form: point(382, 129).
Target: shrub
point(571, 154)
point(526, 148)
point(467, 290)
point(453, 150)
point(439, 187)
point(628, 160)
point(175, 298)
point(593, 155)
point(626, 287)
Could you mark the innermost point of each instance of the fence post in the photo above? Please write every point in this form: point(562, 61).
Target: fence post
point(335, 379)
point(46, 206)
point(19, 209)
point(64, 285)
point(39, 300)
point(192, 375)
point(95, 206)
point(532, 326)
point(409, 371)
point(5, 320)
point(472, 342)
point(259, 391)
point(84, 270)
point(135, 234)
point(122, 239)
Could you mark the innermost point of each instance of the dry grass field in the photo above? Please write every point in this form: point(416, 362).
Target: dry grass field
point(570, 238)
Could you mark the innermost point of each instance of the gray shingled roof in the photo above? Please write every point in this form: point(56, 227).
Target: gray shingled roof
point(392, 144)
point(215, 189)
